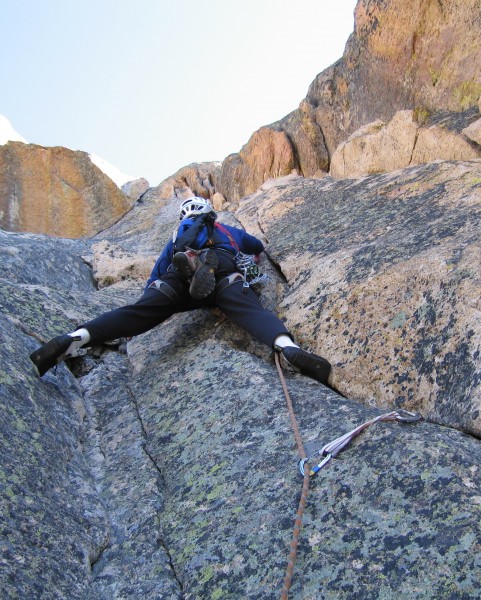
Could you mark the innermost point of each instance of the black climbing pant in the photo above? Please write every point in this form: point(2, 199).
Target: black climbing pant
point(170, 295)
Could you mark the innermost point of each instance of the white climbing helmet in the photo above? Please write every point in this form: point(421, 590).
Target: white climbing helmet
point(194, 206)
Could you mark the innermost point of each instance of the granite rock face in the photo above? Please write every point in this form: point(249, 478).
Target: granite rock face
point(404, 141)
point(167, 468)
point(56, 191)
point(384, 280)
point(419, 56)
point(294, 144)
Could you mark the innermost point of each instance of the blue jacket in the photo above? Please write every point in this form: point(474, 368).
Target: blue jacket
point(246, 243)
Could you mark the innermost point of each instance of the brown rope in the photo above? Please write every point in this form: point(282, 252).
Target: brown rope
point(332, 449)
point(305, 486)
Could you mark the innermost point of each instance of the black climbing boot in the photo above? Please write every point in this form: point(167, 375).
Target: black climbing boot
point(51, 353)
point(309, 364)
point(203, 280)
point(186, 262)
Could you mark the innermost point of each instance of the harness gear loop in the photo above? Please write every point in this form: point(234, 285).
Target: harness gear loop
point(246, 265)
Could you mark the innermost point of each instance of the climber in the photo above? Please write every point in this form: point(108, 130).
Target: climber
point(197, 269)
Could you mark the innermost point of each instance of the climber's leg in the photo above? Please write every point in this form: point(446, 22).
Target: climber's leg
point(161, 300)
point(243, 307)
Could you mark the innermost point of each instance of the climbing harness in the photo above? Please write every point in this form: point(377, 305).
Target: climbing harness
point(326, 453)
point(250, 270)
point(200, 231)
point(245, 263)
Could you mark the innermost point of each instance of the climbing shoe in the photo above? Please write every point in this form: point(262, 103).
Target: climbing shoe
point(186, 262)
point(52, 353)
point(309, 364)
point(203, 280)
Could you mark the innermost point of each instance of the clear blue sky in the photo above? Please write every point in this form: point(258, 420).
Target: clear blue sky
point(154, 85)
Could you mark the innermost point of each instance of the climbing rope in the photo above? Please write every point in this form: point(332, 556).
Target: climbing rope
point(327, 452)
point(305, 486)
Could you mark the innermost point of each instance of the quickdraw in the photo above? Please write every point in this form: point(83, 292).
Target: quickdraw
point(333, 448)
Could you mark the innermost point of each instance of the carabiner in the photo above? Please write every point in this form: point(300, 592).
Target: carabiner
point(404, 416)
point(318, 467)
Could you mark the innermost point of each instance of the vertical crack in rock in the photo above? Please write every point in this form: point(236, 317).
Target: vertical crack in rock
point(91, 447)
point(167, 553)
point(145, 437)
point(276, 266)
point(128, 560)
point(329, 154)
point(414, 146)
point(161, 486)
point(263, 232)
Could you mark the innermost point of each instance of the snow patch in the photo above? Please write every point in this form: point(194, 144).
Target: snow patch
point(114, 173)
point(8, 133)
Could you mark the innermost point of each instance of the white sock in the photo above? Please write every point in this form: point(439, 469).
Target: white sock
point(75, 346)
point(283, 340)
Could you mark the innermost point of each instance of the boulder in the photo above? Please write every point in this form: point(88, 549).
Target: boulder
point(436, 143)
point(442, 137)
point(268, 153)
point(197, 179)
point(56, 191)
point(112, 265)
point(473, 131)
point(376, 147)
point(218, 201)
point(134, 189)
point(379, 147)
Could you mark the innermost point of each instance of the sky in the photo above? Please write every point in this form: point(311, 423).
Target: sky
point(151, 86)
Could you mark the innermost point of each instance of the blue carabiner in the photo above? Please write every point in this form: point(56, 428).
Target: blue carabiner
point(317, 468)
